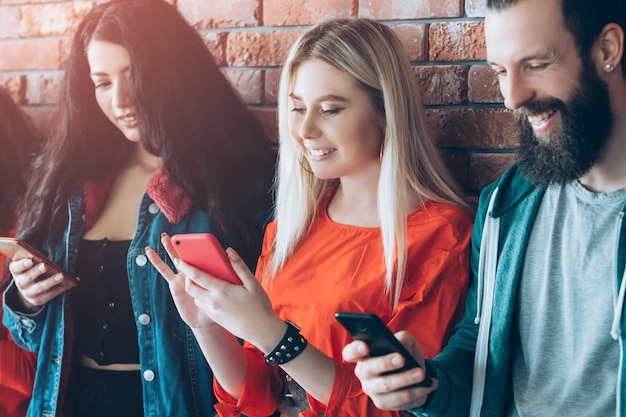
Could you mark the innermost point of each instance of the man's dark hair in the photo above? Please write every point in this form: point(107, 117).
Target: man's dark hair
point(584, 19)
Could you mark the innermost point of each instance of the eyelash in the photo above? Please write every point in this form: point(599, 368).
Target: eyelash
point(329, 112)
point(101, 84)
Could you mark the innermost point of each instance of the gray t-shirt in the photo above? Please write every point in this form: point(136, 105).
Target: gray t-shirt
point(567, 361)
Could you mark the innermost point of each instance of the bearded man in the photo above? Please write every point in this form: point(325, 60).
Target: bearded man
point(543, 332)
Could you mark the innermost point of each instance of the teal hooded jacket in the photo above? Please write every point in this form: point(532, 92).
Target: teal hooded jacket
point(474, 369)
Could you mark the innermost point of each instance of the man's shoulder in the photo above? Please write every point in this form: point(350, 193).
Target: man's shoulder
point(512, 189)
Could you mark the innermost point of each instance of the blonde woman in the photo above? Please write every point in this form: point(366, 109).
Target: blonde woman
point(367, 219)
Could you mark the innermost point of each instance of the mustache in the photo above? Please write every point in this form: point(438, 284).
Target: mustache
point(535, 107)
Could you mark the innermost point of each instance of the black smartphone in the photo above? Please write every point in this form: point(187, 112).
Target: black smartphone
point(381, 341)
point(9, 246)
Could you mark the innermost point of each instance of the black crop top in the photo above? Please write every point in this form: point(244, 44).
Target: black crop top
point(104, 323)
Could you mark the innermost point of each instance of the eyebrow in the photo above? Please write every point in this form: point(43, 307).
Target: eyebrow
point(327, 97)
point(104, 74)
point(549, 55)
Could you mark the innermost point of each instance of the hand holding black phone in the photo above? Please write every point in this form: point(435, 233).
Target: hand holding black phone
point(10, 246)
point(370, 329)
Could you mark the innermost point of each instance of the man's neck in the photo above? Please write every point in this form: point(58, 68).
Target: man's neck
point(609, 174)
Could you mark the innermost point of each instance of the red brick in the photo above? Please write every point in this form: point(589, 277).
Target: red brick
point(206, 14)
point(473, 128)
point(485, 168)
point(9, 22)
point(15, 85)
point(269, 121)
point(20, 2)
point(409, 9)
point(444, 84)
point(66, 45)
point(475, 8)
point(42, 88)
point(216, 43)
point(249, 84)
point(457, 41)
point(483, 85)
point(305, 12)
point(53, 19)
point(272, 81)
point(259, 48)
point(414, 38)
point(31, 54)
point(457, 164)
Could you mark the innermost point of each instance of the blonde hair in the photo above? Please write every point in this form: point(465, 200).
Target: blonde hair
point(373, 56)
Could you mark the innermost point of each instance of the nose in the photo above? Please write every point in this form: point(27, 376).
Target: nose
point(516, 90)
point(121, 93)
point(308, 128)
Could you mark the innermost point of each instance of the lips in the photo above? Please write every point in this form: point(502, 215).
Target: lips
point(128, 120)
point(539, 119)
point(320, 152)
point(543, 122)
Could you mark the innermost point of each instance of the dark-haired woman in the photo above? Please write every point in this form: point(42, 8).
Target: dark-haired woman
point(18, 139)
point(151, 138)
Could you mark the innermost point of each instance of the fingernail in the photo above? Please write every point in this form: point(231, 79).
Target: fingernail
point(232, 254)
point(395, 360)
point(28, 262)
point(176, 261)
point(163, 234)
point(360, 348)
point(42, 268)
point(58, 277)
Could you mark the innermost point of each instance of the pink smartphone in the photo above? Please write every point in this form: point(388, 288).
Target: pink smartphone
point(9, 246)
point(204, 251)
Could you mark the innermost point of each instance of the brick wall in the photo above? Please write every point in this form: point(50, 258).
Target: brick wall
point(250, 38)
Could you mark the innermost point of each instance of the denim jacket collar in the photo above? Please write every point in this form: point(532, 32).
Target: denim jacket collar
point(172, 200)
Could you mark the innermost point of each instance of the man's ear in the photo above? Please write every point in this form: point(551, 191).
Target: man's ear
point(608, 49)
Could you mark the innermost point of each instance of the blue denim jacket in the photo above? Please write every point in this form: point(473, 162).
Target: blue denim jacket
point(176, 379)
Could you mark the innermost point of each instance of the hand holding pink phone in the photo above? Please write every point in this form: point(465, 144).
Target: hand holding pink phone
point(204, 251)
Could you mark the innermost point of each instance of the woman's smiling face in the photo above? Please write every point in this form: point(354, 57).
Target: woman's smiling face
point(333, 122)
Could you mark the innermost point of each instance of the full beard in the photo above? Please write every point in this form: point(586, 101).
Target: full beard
point(570, 152)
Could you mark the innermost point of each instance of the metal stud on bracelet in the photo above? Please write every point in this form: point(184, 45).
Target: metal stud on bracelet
point(290, 346)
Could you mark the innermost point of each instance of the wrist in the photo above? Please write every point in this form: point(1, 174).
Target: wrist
point(270, 335)
point(288, 348)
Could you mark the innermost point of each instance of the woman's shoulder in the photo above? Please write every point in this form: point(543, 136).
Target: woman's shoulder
point(440, 212)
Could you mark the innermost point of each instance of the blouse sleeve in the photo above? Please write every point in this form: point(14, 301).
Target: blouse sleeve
point(261, 392)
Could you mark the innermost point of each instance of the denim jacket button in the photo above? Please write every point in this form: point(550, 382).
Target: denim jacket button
point(148, 375)
point(141, 260)
point(28, 323)
point(153, 208)
point(144, 319)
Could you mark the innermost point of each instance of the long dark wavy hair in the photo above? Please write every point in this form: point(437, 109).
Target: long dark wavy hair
point(188, 113)
point(18, 141)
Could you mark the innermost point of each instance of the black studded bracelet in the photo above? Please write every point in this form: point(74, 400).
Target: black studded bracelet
point(290, 346)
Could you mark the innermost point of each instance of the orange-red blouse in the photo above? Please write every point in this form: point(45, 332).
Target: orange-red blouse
point(339, 267)
point(17, 371)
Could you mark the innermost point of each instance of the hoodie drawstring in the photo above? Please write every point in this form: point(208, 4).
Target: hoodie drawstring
point(487, 263)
